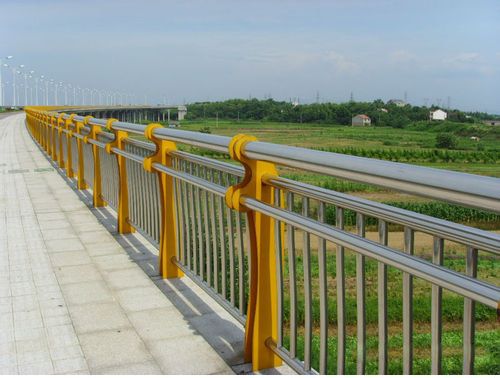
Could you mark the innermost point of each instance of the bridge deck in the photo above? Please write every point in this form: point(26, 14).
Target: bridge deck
point(76, 297)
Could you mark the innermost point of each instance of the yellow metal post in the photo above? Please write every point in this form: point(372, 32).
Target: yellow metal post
point(60, 133)
point(81, 184)
point(69, 158)
point(124, 226)
point(55, 137)
point(168, 234)
point(262, 313)
point(98, 201)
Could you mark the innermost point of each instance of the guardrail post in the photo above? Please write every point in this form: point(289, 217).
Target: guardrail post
point(60, 157)
point(69, 153)
point(168, 231)
point(124, 226)
point(262, 314)
point(50, 122)
point(97, 185)
point(81, 184)
point(55, 137)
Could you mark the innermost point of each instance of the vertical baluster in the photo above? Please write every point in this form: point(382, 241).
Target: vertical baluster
point(306, 252)
point(178, 213)
point(436, 314)
point(231, 255)
point(221, 206)
point(382, 303)
point(208, 254)
point(408, 307)
point(241, 257)
point(469, 315)
point(201, 248)
point(193, 224)
point(187, 226)
point(323, 297)
point(213, 222)
point(182, 219)
point(290, 231)
point(340, 279)
point(279, 267)
point(360, 300)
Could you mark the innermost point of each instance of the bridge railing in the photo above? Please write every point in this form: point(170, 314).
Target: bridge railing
point(273, 251)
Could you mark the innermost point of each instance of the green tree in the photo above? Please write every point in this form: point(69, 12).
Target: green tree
point(446, 140)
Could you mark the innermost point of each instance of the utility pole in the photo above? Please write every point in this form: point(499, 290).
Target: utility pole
point(317, 97)
point(352, 97)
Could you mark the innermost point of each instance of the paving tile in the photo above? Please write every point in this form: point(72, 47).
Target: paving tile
point(86, 292)
point(188, 355)
point(112, 348)
point(161, 323)
point(65, 352)
point(70, 258)
point(145, 368)
point(139, 299)
point(128, 278)
point(79, 273)
point(70, 365)
point(44, 367)
point(98, 317)
point(65, 245)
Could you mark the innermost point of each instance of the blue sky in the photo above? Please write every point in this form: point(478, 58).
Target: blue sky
point(199, 50)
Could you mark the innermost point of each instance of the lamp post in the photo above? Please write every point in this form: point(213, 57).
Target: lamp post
point(1, 65)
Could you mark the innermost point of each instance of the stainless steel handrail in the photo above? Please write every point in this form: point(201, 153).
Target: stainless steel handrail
point(462, 188)
point(448, 279)
point(448, 230)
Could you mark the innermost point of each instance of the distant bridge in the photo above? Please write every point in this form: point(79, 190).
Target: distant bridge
point(256, 244)
point(133, 113)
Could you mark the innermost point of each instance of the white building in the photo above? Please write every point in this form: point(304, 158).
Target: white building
point(438, 115)
point(361, 120)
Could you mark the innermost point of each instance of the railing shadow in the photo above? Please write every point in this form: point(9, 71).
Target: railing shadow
point(202, 314)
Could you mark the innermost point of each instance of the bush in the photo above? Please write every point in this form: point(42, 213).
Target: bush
point(446, 140)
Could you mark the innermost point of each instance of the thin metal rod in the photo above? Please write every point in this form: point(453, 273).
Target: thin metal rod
point(360, 300)
point(222, 237)
point(323, 297)
point(292, 279)
point(469, 315)
point(409, 245)
point(340, 279)
point(279, 268)
point(306, 261)
point(382, 303)
point(436, 312)
point(213, 222)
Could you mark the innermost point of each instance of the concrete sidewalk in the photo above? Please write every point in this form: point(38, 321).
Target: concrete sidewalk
point(76, 297)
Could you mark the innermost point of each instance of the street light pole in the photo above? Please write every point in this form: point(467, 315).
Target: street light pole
point(1, 84)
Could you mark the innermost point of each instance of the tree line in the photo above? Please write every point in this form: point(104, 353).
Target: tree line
point(381, 113)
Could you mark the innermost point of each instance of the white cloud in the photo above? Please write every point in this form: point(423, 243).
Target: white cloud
point(401, 56)
point(463, 58)
point(341, 62)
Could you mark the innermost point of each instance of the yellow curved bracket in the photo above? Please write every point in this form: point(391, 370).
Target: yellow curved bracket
point(168, 234)
point(86, 122)
point(118, 135)
point(262, 312)
point(255, 172)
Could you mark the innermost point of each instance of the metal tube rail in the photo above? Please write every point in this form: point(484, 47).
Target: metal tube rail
point(447, 230)
point(193, 180)
point(461, 188)
point(438, 275)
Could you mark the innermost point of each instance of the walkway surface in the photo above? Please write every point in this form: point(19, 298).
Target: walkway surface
point(76, 297)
